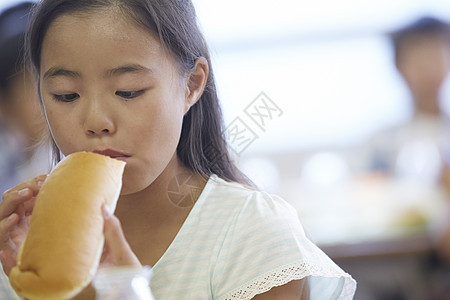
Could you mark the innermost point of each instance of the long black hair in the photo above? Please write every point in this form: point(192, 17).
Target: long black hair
point(202, 146)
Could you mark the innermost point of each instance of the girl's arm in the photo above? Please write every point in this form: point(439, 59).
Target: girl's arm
point(293, 290)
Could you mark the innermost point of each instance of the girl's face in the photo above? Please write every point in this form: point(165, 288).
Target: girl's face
point(107, 85)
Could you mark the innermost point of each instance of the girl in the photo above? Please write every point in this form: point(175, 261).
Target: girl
point(132, 79)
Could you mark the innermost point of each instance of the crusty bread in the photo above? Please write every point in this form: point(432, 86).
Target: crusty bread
point(62, 250)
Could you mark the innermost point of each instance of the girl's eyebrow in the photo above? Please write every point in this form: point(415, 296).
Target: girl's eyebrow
point(132, 68)
point(57, 71)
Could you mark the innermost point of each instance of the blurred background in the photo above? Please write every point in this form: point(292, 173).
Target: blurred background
point(320, 110)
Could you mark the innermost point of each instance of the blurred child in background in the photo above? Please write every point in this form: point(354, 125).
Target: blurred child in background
point(22, 124)
point(416, 149)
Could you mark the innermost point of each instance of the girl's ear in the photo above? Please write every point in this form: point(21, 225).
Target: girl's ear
point(196, 82)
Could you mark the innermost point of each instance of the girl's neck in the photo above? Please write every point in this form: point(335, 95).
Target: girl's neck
point(151, 219)
point(158, 200)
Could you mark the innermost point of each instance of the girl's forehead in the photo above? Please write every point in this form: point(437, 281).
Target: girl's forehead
point(98, 15)
point(103, 18)
point(102, 22)
point(97, 42)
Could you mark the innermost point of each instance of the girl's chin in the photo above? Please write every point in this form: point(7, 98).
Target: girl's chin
point(134, 188)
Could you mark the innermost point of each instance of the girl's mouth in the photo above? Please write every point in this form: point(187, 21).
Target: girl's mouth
point(113, 154)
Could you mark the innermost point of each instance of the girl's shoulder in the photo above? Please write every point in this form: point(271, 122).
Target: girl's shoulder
point(219, 192)
point(234, 203)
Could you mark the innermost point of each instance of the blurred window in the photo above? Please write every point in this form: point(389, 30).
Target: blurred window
point(326, 64)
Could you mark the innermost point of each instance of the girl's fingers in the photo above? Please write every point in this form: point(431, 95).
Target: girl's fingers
point(17, 203)
point(16, 196)
point(28, 206)
point(34, 184)
point(12, 199)
point(8, 262)
point(118, 251)
point(7, 223)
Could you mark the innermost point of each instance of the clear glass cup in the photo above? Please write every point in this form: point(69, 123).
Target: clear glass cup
point(123, 283)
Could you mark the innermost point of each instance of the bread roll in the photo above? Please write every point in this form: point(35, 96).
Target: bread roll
point(62, 249)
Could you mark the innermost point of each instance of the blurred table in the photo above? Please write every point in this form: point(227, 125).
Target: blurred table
point(415, 244)
point(382, 231)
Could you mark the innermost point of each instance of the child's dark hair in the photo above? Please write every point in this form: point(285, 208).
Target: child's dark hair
point(202, 147)
point(421, 27)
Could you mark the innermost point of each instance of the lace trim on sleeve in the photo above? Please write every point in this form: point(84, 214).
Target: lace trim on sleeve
point(287, 273)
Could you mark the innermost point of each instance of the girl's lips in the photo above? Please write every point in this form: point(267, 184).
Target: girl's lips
point(122, 158)
point(113, 154)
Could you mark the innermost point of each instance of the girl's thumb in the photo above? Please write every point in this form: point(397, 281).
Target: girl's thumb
point(115, 241)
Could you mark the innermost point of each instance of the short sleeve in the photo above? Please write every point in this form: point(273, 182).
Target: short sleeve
point(265, 247)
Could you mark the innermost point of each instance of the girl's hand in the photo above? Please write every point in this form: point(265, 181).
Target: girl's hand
point(15, 211)
point(117, 251)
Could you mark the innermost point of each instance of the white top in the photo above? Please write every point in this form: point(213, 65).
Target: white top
point(237, 243)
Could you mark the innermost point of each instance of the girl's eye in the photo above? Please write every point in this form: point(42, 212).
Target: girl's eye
point(66, 97)
point(129, 94)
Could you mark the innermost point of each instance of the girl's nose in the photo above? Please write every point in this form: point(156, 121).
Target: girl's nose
point(95, 132)
point(98, 121)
